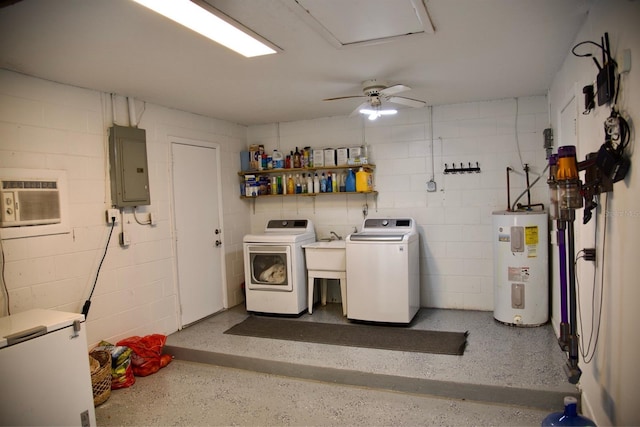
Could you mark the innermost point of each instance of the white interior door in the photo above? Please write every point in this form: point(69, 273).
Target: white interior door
point(196, 189)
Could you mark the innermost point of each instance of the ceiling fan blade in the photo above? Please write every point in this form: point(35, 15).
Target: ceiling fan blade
point(358, 108)
point(344, 97)
point(415, 103)
point(392, 90)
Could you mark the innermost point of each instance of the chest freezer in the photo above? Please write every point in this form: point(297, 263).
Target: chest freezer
point(44, 370)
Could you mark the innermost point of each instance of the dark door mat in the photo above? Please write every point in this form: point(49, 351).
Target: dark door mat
point(353, 335)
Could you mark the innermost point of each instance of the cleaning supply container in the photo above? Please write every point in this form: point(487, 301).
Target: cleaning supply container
point(364, 181)
point(350, 182)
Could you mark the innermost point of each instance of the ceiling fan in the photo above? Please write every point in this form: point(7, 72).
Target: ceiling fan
point(377, 92)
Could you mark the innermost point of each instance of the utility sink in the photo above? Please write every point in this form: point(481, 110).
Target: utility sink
point(326, 255)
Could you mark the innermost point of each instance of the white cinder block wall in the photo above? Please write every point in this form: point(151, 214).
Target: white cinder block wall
point(455, 221)
point(45, 125)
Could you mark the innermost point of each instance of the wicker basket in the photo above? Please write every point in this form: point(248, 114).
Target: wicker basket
point(101, 378)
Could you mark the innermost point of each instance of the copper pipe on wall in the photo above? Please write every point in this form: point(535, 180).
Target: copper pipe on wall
point(526, 170)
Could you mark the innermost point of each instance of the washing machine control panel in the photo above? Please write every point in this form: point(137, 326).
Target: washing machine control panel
point(388, 223)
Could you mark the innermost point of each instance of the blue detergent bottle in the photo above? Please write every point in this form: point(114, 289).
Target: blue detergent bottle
point(350, 184)
point(569, 417)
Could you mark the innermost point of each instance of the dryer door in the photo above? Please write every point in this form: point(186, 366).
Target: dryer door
point(269, 267)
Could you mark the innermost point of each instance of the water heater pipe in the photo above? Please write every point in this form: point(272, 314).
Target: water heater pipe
point(508, 190)
point(526, 171)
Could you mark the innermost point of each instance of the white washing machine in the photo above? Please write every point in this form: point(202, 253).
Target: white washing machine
point(274, 267)
point(383, 271)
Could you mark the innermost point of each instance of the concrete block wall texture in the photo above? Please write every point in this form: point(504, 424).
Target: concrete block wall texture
point(455, 221)
point(45, 125)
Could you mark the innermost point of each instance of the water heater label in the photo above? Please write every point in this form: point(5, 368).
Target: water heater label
point(531, 238)
point(531, 235)
point(518, 274)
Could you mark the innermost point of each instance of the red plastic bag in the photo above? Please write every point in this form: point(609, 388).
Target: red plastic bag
point(147, 357)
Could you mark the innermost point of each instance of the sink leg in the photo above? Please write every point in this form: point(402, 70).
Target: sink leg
point(310, 296)
point(324, 292)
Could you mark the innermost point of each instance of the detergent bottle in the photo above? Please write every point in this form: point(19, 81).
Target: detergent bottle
point(363, 181)
point(350, 184)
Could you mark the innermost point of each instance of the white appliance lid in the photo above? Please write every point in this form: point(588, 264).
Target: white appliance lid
point(284, 231)
point(38, 318)
point(385, 230)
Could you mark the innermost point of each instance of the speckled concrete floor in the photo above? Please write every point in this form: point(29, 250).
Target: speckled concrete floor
point(507, 376)
point(194, 394)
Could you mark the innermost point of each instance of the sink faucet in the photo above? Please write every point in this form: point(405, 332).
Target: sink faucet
point(333, 233)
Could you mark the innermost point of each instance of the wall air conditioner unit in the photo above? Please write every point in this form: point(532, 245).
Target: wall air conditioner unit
point(27, 202)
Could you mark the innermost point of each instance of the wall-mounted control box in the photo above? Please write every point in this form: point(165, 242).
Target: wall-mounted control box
point(128, 167)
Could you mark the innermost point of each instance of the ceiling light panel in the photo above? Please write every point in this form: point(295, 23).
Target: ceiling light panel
point(361, 22)
point(210, 23)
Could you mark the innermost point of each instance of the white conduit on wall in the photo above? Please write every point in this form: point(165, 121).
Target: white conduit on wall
point(113, 109)
point(131, 105)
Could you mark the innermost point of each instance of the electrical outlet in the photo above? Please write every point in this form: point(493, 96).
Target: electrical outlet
point(112, 215)
point(589, 254)
point(431, 186)
point(152, 218)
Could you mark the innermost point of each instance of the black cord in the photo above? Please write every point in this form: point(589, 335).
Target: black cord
point(87, 303)
point(4, 282)
point(588, 354)
point(586, 55)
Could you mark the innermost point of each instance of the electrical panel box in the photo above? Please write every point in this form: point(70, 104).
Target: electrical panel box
point(128, 166)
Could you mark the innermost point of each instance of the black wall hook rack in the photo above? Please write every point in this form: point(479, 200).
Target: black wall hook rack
point(462, 168)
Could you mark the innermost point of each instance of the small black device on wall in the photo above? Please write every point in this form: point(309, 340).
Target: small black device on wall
point(128, 167)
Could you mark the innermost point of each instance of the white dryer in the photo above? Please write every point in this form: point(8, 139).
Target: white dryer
point(274, 267)
point(383, 271)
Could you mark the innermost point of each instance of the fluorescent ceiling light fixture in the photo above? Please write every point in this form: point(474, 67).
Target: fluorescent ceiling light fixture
point(374, 114)
point(205, 22)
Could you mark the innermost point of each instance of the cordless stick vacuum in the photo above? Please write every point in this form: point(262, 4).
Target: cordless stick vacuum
point(561, 226)
point(567, 196)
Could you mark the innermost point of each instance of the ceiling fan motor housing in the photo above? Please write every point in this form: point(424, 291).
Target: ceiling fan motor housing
point(373, 87)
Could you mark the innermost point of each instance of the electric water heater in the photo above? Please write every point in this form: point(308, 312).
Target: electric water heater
point(521, 267)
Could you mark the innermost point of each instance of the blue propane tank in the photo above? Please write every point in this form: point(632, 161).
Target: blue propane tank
point(569, 417)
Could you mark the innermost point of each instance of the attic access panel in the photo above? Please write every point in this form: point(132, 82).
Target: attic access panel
point(361, 22)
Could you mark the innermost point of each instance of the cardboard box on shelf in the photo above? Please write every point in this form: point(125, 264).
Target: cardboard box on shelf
point(318, 158)
point(342, 156)
point(329, 157)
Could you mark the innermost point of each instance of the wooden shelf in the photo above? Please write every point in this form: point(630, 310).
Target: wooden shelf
point(375, 193)
point(304, 170)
